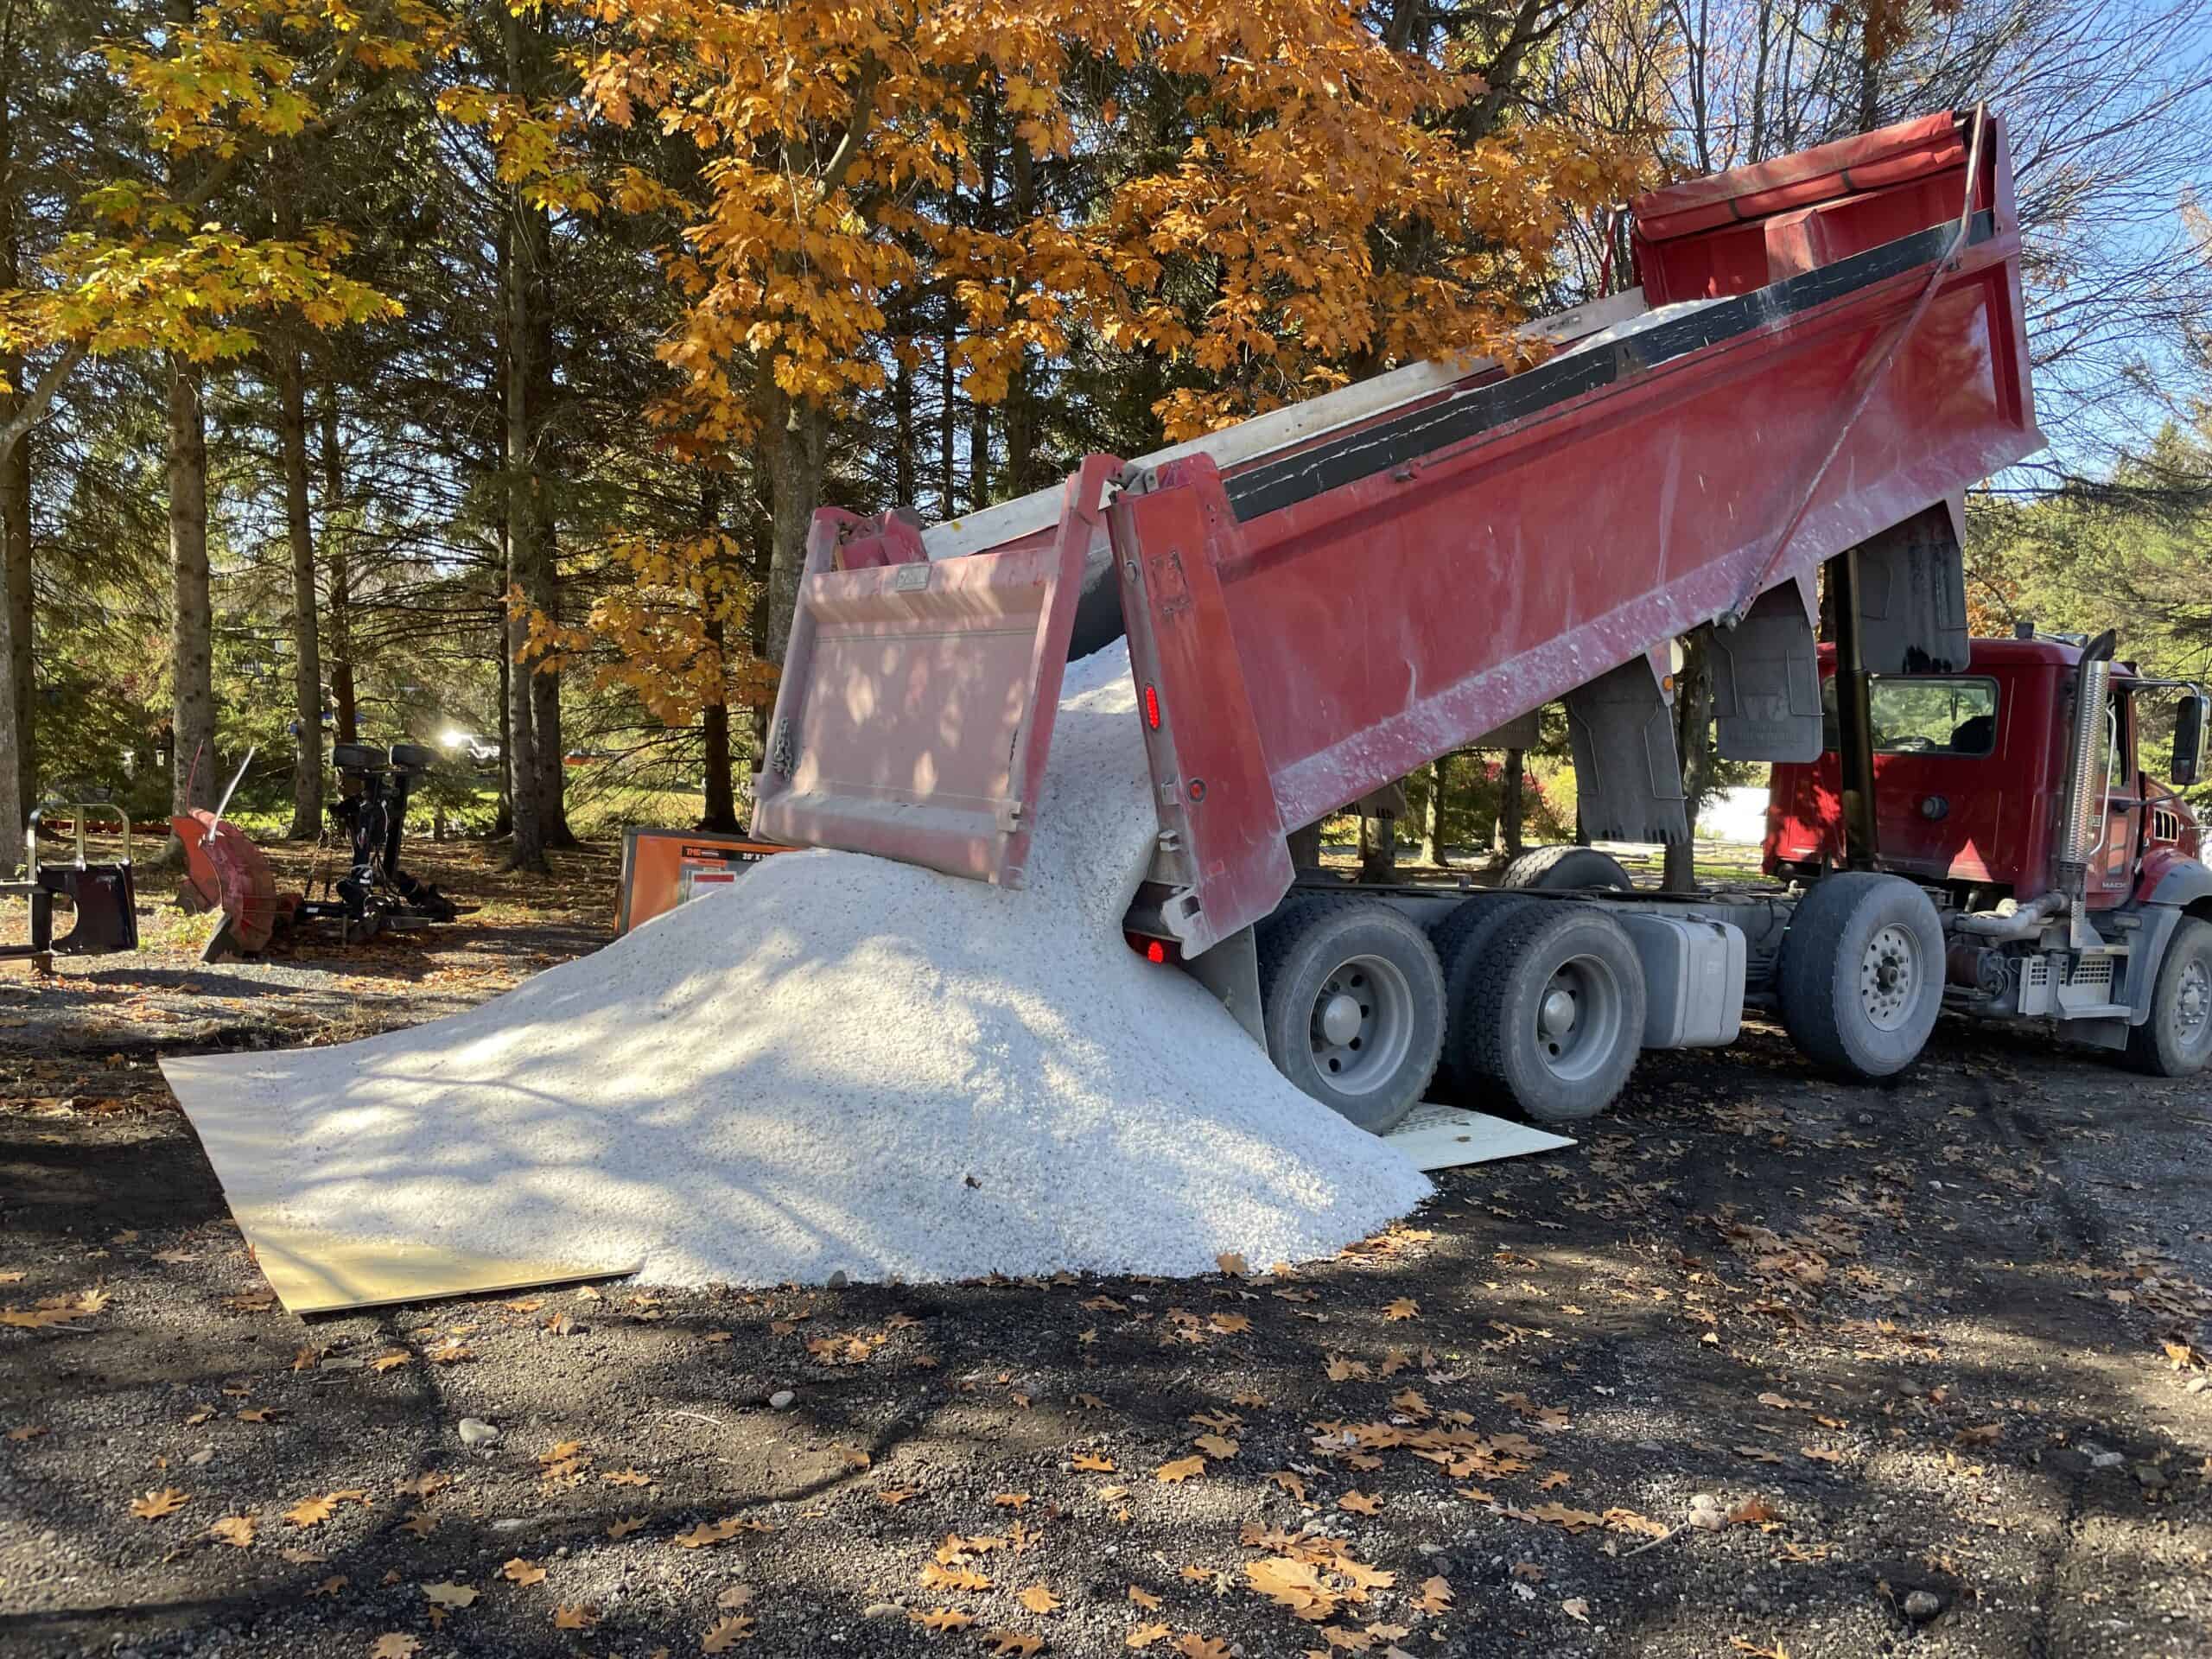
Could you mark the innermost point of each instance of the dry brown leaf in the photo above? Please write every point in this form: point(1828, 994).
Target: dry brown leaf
point(737, 1596)
point(450, 1595)
point(1145, 1635)
point(329, 1586)
point(727, 1634)
point(1020, 1643)
point(1011, 1500)
point(1753, 1511)
point(234, 1530)
point(625, 1526)
point(1360, 1502)
point(626, 1477)
point(1341, 1369)
point(577, 1618)
point(894, 1495)
point(936, 1575)
point(395, 1645)
point(1039, 1599)
point(1821, 1454)
point(1983, 1435)
point(258, 1415)
point(1230, 1324)
point(1296, 1585)
point(1758, 1454)
point(1231, 1264)
point(154, 1506)
point(1217, 1446)
point(1192, 1645)
point(1576, 1609)
point(1553, 1481)
point(311, 1511)
point(520, 1571)
point(1435, 1597)
point(1181, 1470)
point(1143, 1598)
point(1527, 1572)
point(1295, 1485)
point(1404, 1308)
point(938, 1620)
point(1091, 1463)
point(1782, 1401)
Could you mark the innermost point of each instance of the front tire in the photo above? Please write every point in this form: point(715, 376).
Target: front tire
point(2175, 1041)
point(1352, 1003)
point(1862, 972)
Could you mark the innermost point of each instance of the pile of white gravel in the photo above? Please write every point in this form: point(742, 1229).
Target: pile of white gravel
point(843, 1062)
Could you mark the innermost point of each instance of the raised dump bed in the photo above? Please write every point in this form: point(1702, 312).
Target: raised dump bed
point(1826, 351)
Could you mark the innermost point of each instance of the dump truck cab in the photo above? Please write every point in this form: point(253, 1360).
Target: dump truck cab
point(1970, 780)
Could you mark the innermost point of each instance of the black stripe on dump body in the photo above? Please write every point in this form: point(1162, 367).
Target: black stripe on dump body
point(1274, 485)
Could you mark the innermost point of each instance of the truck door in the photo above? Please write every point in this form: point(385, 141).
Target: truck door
point(1940, 801)
point(2112, 864)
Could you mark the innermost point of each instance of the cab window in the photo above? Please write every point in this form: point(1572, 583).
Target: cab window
point(1925, 714)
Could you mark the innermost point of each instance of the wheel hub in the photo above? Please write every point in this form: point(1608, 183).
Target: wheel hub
point(2194, 1005)
point(1889, 977)
point(1559, 1010)
point(1362, 1025)
point(1340, 1018)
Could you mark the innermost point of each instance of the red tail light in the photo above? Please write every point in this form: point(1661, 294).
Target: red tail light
point(1152, 707)
point(1154, 951)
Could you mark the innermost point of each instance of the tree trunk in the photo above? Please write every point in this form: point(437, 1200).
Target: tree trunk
point(1021, 397)
point(18, 715)
point(1432, 819)
point(718, 807)
point(534, 750)
point(192, 623)
point(902, 438)
point(797, 436)
point(1693, 724)
point(1378, 849)
point(503, 819)
point(1305, 848)
point(343, 706)
point(947, 508)
point(1509, 804)
point(306, 656)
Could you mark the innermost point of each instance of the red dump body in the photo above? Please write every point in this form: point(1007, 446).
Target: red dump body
point(1316, 620)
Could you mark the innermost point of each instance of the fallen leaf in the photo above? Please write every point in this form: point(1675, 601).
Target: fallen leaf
point(578, 1618)
point(1231, 1264)
point(329, 1586)
point(936, 1575)
point(1019, 1642)
point(938, 1620)
point(421, 1523)
point(1038, 1599)
point(234, 1530)
point(1751, 1512)
point(1230, 1324)
point(1216, 1445)
point(1404, 1308)
point(623, 1527)
point(1143, 1598)
point(1758, 1454)
point(1983, 1435)
point(1181, 1470)
point(394, 1646)
point(1360, 1504)
point(1145, 1635)
point(520, 1571)
point(1091, 1463)
point(1435, 1597)
point(154, 1506)
point(311, 1511)
point(1553, 1481)
point(1576, 1609)
point(1341, 1369)
point(450, 1595)
point(1821, 1453)
point(1011, 1500)
point(259, 1414)
point(727, 1634)
point(1295, 1485)
point(1192, 1645)
point(895, 1496)
point(28, 1432)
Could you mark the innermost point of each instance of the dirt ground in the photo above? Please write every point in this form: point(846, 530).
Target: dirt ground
point(1766, 1365)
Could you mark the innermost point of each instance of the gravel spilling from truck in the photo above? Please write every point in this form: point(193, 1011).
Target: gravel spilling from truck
point(841, 1064)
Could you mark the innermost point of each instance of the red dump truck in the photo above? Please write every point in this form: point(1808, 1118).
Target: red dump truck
point(1824, 352)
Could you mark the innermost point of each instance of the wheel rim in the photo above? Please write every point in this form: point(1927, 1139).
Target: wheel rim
point(2192, 1013)
point(1577, 1023)
point(1889, 977)
point(1362, 1025)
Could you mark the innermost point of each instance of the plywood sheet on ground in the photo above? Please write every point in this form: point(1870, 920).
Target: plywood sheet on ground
point(1445, 1137)
point(318, 1272)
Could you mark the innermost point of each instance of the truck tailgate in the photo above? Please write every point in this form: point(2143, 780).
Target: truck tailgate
point(917, 702)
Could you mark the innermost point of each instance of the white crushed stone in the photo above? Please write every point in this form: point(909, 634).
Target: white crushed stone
point(844, 1063)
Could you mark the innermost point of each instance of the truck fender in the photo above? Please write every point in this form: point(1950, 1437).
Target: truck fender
point(2160, 920)
point(2173, 878)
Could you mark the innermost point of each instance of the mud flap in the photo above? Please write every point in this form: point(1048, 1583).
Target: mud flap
point(1766, 680)
point(1912, 588)
point(1628, 782)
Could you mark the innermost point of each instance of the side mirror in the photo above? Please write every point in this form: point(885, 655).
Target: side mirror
point(2189, 741)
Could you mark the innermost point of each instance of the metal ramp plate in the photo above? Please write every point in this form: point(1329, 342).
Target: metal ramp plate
point(1445, 1137)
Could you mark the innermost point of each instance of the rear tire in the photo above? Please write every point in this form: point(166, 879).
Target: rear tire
point(1861, 979)
point(1554, 1011)
point(1352, 1003)
point(1562, 869)
point(2175, 1041)
point(1463, 944)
